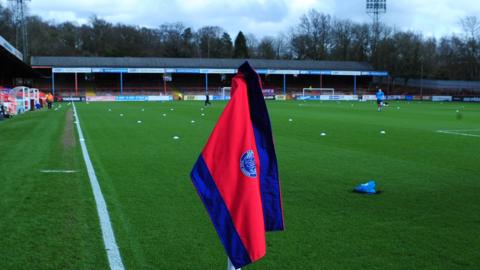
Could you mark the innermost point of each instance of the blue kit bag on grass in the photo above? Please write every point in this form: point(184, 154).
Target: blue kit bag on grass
point(367, 188)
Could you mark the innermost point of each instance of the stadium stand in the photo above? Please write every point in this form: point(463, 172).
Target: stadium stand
point(13, 71)
point(188, 75)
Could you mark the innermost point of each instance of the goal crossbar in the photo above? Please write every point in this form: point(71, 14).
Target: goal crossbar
point(329, 91)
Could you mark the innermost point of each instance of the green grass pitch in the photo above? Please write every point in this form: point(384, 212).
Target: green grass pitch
point(427, 164)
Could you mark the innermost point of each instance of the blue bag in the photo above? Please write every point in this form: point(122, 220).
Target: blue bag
point(367, 188)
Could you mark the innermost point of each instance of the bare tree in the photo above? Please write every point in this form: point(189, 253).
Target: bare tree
point(470, 52)
point(170, 35)
point(209, 40)
point(281, 47)
point(252, 44)
point(471, 26)
point(310, 39)
point(360, 42)
point(341, 40)
point(266, 48)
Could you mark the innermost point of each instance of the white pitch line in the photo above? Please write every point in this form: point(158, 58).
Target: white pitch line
point(58, 171)
point(113, 253)
point(462, 130)
point(452, 132)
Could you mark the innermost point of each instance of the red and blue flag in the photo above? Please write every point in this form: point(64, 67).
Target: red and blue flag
point(236, 175)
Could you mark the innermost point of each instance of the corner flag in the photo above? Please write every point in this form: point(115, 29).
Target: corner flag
point(236, 175)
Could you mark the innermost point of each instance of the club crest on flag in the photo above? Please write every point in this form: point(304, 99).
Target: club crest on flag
point(247, 164)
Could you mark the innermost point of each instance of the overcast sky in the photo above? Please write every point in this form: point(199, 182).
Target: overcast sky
point(259, 17)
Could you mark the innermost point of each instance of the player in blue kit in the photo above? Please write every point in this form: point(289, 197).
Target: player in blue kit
point(380, 96)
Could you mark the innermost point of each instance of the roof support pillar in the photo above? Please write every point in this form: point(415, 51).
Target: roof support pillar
point(206, 83)
point(76, 84)
point(121, 83)
point(164, 86)
point(284, 84)
point(53, 83)
point(354, 84)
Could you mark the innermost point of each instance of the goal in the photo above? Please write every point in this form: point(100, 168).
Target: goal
point(225, 92)
point(318, 91)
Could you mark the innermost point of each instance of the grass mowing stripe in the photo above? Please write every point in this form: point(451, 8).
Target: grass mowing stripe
point(47, 221)
point(111, 247)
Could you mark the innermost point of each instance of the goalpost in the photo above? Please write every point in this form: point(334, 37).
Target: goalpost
point(225, 92)
point(319, 91)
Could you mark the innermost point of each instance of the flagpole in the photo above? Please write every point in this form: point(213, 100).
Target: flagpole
point(231, 267)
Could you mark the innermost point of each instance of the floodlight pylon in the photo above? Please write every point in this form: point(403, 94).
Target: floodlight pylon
point(19, 9)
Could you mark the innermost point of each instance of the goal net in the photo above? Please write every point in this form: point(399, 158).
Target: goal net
point(318, 91)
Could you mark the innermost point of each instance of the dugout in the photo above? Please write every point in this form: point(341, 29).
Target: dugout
point(74, 76)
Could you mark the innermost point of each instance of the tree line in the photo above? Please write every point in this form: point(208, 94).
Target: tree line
point(316, 36)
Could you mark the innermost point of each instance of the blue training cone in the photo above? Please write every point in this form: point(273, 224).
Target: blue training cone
point(367, 188)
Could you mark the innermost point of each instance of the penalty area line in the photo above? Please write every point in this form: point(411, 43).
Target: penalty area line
point(113, 253)
point(461, 130)
point(457, 132)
